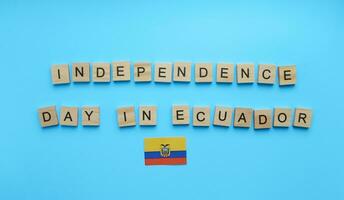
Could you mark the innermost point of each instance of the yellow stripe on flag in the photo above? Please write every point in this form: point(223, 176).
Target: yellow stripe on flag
point(175, 143)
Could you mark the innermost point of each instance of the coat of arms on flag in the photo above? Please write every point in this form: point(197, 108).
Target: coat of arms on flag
point(165, 151)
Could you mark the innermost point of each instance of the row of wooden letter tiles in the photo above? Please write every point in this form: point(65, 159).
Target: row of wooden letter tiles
point(121, 71)
point(263, 119)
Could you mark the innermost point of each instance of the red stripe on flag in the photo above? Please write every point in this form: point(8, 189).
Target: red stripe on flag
point(165, 161)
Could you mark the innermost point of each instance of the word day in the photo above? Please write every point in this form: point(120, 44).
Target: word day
point(181, 72)
point(126, 116)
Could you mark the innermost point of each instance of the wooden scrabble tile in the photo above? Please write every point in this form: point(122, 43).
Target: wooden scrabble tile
point(245, 73)
point(266, 73)
point(69, 116)
point(163, 72)
point(262, 119)
point(303, 117)
point(201, 116)
point(180, 115)
point(90, 116)
point(203, 72)
point(287, 75)
point(47, 116)
point(222, 116)
point(101, 72)
point(142, 72)
point(121, 71)
point(126, 116)
point(182, 72)
point(224, 73)
point(282, 117)
point(81, 72)
point(60, 74)
point(242, 117)
point(148, 115)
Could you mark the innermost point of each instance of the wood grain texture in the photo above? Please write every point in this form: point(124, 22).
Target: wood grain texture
point(182, 72)
point(262, 119)
point(303, 117)
point(282, 117)
point(143, 72)
point(245, 73)
point(147, 115)
point(203, 72)
point(90, 116)
point(266, 73)
point(242, 117)
point(121, 71)
point(101, 72)
point(126, 116)
point(222, 116)
point(48, 116)
point(81, 72)
point(224, 73)
point(287, 75)
point(69, 116)
point(180, 115)
point(201, 116)
point(60, 74)
point(163, 72)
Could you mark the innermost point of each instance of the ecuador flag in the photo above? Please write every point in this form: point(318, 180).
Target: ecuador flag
point(165, 151)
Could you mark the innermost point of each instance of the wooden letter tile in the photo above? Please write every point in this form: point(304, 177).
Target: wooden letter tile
point(201, 116)
point(101, 72)
point(203, 72)
point(90, 116)
point(69, 116)
point(47, 116)
point(242, 117)
point(262, 119)
point(121, 71)
point(222, 116)
point(182, 72)
point(180, 115)
point(143, 72)
point(287, 75)
point(148, 115)
point(245, 73)
point(302, 118)
point(163, 72)
point(126, 116)
point(60, 74)
point(266, 73)
point(224, 73)
point(282, 117)
point(81, 72)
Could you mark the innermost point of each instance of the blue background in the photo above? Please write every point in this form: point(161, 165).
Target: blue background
point(223, 163)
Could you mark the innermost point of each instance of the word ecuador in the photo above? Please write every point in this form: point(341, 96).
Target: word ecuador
point(147, 116)
point(181, 72)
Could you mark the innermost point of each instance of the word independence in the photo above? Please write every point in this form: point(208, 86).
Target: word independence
point(121, 71)
point(263, 119)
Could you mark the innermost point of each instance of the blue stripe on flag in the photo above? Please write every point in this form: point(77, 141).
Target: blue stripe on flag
point(173, 154)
